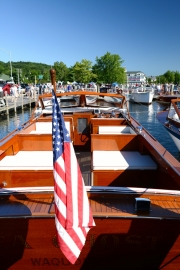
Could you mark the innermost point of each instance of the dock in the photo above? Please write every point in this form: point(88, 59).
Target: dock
point(14, 104)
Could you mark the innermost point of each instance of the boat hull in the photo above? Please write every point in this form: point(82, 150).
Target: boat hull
point(142, 97)
point(167, 98)
point(170, 127)
point(114, 243)
point(175, 136)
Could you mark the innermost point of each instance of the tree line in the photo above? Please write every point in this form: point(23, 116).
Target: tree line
point(107, 69)
point(169, 77)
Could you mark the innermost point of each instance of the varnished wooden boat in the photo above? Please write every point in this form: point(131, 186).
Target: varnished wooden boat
point(133, 185)
point(166, 98)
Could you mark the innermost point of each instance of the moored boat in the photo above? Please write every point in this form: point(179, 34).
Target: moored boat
point(141, 95)
point(131, 180)
point(170, 118)
point(166, 98)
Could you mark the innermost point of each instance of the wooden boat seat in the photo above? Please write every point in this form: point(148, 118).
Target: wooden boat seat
point(118, 160)
point(116, 130)
point(46, 128)
point(32, 168)
point(28, 160)
point(121, 160)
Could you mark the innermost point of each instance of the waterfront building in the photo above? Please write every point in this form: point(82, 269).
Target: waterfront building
point(135, 77)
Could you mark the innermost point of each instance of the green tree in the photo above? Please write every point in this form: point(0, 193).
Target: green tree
point(70, 75)
point(33, 75)
point(61, 71)
point(176, 77)
point(169, 75)
point(83, 71)
point(149, 80)
point(162, 79)
point(1, 67)
point(108, 69)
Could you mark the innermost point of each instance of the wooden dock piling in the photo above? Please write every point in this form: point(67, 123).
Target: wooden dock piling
point(18, 103)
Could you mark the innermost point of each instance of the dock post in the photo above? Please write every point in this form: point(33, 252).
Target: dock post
point(29, 101)
point(22, 100)
point(15, 104)
point(35, 95)
point(7, 110)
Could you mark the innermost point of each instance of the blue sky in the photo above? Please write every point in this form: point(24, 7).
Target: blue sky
point(144, 33)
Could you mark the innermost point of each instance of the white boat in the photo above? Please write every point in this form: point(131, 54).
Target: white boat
point(142, 95)
point(170, 118)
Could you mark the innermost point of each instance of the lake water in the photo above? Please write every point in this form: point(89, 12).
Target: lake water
point(145, 115)
point(10, 122)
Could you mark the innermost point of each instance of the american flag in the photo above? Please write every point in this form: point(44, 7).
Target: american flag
point(73, 217)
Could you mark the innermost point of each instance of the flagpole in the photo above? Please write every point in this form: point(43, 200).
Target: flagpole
point(53, 78)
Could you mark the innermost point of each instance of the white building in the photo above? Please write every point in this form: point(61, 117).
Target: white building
point(135, 77)
point(152, 78)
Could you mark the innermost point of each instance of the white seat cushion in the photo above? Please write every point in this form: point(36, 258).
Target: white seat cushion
point(115, 130)
point(121, 160)
point(28, 160)
point(46, 128)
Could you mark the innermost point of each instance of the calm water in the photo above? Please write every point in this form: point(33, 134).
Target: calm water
point(10, 122)
point(145, 115)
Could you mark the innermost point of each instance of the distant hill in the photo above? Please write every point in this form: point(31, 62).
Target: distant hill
point(30, 65)
point(26, 71)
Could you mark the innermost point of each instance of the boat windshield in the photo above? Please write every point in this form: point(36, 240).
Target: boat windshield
point(64, 101)
point(90, 100)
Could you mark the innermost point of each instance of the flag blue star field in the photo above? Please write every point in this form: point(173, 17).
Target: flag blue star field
point(73, 217)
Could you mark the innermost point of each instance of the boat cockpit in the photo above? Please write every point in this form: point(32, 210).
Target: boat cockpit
point(111, 147)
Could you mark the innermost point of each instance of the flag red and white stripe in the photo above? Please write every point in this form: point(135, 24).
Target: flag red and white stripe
point(73, 217)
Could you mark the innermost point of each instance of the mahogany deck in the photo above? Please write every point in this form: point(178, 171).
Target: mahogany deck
point(102, 205)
